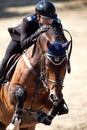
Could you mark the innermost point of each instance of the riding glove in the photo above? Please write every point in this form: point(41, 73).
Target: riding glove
point(33, 38)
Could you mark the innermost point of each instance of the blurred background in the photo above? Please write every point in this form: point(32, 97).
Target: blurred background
point(73, 15)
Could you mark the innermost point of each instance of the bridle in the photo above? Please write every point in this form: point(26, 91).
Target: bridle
point(56, 83)
point(43, 77)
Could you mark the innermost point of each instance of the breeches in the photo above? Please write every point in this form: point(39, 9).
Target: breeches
point(13, 48)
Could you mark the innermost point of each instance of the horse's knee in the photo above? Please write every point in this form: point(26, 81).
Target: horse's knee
point(17, 95)
point(20, 94)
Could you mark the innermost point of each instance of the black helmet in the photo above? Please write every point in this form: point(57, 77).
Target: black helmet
point(46, 9)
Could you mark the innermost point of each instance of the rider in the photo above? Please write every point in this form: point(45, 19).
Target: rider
point(26, 33)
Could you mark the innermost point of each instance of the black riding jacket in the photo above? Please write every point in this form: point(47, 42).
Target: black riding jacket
point(29, 26)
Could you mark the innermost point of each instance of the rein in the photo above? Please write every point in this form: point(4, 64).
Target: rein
point(43, 76)
point(69, 51)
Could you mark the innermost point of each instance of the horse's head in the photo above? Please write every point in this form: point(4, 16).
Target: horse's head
point(55, 62)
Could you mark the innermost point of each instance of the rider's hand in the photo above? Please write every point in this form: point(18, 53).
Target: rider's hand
point(42, 29)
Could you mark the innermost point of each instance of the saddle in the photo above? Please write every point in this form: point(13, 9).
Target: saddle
point(11, 64)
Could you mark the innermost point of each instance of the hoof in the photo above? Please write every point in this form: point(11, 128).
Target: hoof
point(16, 118)
point(14, 126)
point(42, 117)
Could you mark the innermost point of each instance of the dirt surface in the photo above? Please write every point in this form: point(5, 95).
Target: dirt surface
point(73, 15)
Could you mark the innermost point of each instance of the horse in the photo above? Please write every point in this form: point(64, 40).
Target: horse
point(34, 92)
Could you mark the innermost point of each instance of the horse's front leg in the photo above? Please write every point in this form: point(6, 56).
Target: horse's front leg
point(20, 95)
point(56, 109)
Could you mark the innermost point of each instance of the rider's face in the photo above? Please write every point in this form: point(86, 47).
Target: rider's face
point(44, 21)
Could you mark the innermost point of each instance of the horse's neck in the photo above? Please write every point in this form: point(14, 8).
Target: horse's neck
point(34, 53)
point(50, 35)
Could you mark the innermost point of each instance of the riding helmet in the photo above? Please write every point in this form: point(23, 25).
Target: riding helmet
point(46, 9)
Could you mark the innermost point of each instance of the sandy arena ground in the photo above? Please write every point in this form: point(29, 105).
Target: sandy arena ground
point(73, 15)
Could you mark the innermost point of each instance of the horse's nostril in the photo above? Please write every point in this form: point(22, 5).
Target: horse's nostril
point(51, 96)
point(54, 97)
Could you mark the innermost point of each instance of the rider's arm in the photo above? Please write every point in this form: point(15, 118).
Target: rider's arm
point(28, 28)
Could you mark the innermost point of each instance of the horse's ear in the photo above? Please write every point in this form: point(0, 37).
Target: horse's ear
point(65, 45)
point(49, 45)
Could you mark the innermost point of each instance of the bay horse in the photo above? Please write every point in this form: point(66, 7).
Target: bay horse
point(34, 93)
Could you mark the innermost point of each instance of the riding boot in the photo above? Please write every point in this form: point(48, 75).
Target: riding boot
point(2, 72)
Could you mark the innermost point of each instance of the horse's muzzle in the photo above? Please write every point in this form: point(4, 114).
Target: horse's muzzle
point(59, 108)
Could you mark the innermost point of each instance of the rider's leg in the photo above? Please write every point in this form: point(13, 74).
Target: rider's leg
point(13, 48)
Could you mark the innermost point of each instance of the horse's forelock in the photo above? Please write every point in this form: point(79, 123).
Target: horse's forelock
point(58, 32)
point(53, 29)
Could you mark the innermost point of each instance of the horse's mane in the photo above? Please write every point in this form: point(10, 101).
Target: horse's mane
point(58, 31)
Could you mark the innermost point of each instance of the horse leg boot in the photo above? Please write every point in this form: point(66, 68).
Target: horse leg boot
point(20, 95)
point(43, 117)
